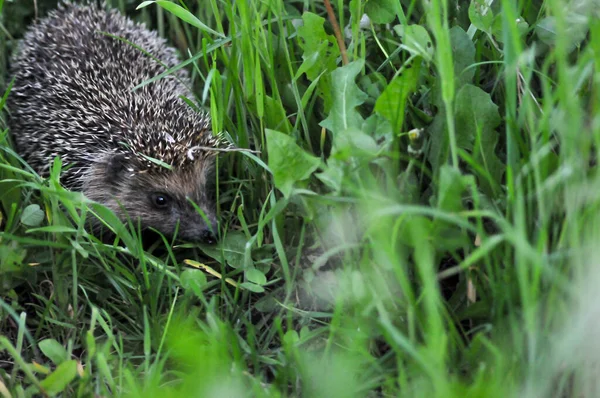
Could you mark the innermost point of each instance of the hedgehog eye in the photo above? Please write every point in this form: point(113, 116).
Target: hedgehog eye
point(160, 200)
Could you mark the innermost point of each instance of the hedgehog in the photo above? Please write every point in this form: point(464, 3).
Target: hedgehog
point(145, 154)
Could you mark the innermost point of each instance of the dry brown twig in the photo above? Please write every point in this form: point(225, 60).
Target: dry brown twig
point(337, 31)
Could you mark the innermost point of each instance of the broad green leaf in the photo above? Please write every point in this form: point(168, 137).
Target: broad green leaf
point(193, 279)
point(333, 174)
point(60, 379)
point(463, 56)
point(498, 28)
point(255, 276)
point(32, 215)
point(451, 186)
point(231, 247)
point(320, 49)
point(373, 84)
point(354, 143)
point(481, 15)
point(439, 146)
point(408, 185)
point(346, 97)
point(392, 103)
point(291, 337)
point(576, 30)
point(474, 111)
point(54, 350)
point(11, 259)
point(267, 304)
point(253, 287)
point(477, 117)
point(416, 40)
point(288, 162)
point(381, 11)
point(275, 116)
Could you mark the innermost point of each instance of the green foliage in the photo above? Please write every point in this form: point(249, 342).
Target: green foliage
point(288, 161)
point(421, 221)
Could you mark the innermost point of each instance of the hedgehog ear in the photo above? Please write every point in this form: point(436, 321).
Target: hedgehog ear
point(116, 167)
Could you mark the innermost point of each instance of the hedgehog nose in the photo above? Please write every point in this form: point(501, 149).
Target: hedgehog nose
point(207, 236)
point(209, 233)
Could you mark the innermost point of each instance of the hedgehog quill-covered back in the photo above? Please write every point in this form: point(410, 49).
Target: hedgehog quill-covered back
point(73, 98)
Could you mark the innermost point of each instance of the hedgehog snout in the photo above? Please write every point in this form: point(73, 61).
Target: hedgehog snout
point(198, 230)
point(207, 235)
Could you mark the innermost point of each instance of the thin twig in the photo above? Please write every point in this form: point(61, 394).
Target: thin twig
point(338, 33)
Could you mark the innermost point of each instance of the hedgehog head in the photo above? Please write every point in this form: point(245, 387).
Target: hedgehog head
point(166, 184)
point(168, 200)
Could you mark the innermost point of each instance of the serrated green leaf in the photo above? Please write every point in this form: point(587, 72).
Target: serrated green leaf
point(474, 111)
point(392, 102)
point(463, 56)
point(478, 117)
point(381, 11)
point(255, 276)
point(32, 215)
point(288, 162)
point(346, 97)
point(60, 379)
point(320, 49)
point(54, 350)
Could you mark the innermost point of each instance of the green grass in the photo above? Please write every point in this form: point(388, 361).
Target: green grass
point(420, 222)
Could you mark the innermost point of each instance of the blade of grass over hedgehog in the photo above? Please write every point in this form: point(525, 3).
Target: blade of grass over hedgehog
point(182, 14)
point(183, 64)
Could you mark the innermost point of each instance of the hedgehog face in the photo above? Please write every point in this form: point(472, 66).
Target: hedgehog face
point(169, 201)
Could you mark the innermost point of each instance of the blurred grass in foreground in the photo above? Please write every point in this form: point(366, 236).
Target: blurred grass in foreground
point(421, 221)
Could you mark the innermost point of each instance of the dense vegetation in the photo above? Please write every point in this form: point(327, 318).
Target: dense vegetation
point(413, 212)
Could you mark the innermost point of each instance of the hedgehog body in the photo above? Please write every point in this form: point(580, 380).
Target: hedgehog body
point(73, 97)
